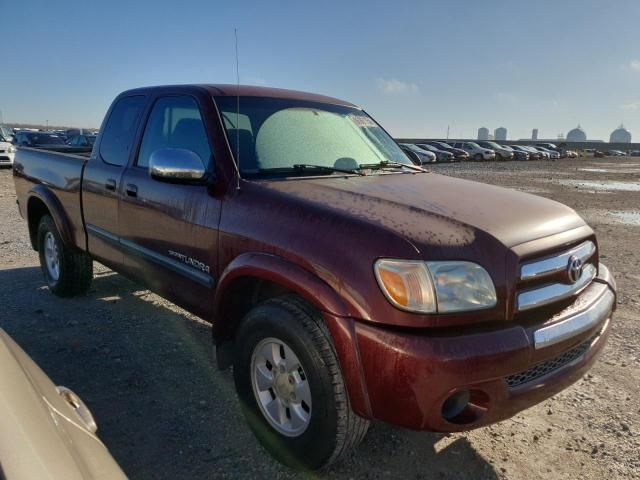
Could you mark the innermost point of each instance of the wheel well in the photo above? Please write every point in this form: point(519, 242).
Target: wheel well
point(36, 209)
point(239, 297)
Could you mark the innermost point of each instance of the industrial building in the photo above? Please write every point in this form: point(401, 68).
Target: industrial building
point(483, 133)
point(577, 135)
point(620, 135)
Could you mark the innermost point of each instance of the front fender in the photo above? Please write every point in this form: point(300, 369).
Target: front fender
point(283, 272)
point(56, 210)
point(336, 312)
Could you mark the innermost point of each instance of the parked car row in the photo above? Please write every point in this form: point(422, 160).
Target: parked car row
point(80, 143)
point(70, 140)
point(439, 151)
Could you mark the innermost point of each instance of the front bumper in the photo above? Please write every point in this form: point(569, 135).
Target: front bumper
point(406, 378)
point(6, 158)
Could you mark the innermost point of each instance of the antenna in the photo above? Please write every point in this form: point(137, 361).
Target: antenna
point(235, 31)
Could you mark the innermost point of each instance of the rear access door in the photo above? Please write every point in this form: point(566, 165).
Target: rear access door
point(102, 178)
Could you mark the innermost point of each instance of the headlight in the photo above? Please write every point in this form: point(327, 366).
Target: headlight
point(12, 149)
point(435, 287)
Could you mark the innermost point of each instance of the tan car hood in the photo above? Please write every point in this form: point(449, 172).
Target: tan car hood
point(41, 436)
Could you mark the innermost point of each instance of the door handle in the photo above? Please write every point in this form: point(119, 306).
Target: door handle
point(110, 185)
point(132, 190)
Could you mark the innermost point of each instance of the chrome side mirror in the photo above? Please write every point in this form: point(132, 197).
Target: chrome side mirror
point(176, 164)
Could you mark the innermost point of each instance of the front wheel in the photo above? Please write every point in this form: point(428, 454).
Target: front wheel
point(477, 157)
point(290, 386)
point(66, 271)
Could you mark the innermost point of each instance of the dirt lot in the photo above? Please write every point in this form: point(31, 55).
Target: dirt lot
point(144, 366)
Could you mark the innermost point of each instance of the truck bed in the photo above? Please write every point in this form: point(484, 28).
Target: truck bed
point(62, 175)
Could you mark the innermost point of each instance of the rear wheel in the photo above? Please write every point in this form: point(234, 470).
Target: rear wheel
point(67, 272)
point(290, 386)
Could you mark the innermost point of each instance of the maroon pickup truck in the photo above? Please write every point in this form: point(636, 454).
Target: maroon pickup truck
point(344, 283)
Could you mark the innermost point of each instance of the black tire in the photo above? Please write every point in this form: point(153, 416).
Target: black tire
point(333, 430)
point(477, 157)
point(75, 268)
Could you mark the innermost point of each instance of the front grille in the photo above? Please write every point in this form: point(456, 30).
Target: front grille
point(543, 368)
point(547, 280)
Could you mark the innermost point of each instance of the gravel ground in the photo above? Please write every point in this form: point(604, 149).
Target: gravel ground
point(145, 368)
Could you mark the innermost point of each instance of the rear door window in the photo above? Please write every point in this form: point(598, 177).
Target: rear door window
point(120, 130)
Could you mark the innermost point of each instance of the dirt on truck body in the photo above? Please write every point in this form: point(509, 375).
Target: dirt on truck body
point(333, 270)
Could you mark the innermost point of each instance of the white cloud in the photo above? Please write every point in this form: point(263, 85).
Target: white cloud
point(396, 86)
point(631, 106)
point(635, 65)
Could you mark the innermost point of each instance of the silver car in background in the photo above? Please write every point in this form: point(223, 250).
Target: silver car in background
point(423, 155)
point(553, 155)
point(502, 153)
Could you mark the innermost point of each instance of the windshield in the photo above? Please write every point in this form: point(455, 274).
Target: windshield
point(5, 134)
point(493, 144)
point(276, 133)
point(45, 139)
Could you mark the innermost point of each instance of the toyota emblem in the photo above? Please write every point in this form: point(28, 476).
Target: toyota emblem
point(574, 268)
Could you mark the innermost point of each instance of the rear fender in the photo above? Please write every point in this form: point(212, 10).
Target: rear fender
point(55, 209)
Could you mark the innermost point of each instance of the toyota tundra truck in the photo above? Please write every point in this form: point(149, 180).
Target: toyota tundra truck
point(344, 284)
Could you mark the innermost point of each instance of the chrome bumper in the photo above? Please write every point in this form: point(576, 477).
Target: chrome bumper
point(596, 304)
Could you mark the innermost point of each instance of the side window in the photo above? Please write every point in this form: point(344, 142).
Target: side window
point(174, 122)
point(120, 130)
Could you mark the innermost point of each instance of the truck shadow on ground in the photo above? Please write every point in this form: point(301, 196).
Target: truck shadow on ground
point(145, 369)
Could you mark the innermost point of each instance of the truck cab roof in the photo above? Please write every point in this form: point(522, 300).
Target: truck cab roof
point(229, 90)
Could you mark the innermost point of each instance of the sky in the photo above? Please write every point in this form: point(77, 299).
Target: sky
point(418, 67)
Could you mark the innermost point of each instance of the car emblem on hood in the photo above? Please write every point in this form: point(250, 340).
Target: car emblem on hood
point(574, 268)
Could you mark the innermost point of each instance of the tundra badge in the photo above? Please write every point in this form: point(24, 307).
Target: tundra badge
point(190, 261)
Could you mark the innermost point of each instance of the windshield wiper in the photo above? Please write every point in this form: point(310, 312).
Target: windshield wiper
point(308, 166)
point(387, 163)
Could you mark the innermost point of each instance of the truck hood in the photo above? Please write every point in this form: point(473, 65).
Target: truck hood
point(435, 210)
